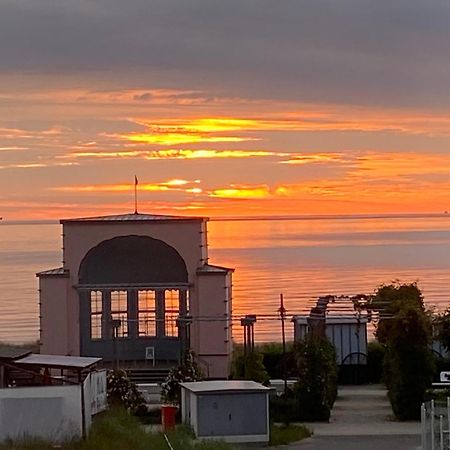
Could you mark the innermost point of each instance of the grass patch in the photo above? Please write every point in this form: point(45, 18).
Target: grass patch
point(282, 434)
point(26, 444)
point(118, 430)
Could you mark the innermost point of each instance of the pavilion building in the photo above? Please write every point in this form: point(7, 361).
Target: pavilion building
point(134, 287)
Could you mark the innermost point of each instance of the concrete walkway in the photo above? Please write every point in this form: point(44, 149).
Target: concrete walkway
point(361, 420)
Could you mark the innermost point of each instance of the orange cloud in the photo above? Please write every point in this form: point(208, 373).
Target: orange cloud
point(173, 138)
point(33, 165)
point(315, 158)
point(241, 192)
point(176, 154)
point(391, 165)
point(169, 185)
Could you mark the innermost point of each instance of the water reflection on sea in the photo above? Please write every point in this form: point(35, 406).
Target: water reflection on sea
point(300, 258)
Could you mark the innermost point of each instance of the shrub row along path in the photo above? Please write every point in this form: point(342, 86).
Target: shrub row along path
point(362, 419)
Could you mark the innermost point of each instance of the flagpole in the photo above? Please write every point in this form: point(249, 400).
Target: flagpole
point(135, 195)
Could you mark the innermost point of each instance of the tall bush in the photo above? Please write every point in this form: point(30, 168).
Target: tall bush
point(405, 329)
point(123, 392)
point(442, 326)
point(375, 358)
point(248, 366)
point(316, 389)
point(187, 371)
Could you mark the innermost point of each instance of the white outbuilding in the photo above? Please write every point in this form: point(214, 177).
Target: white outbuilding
point(234, 411)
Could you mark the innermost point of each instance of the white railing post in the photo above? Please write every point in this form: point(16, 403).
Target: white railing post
point(448, 420)
point(441, 431)
point(423, 421)
point(423, 418)
point(432, 425)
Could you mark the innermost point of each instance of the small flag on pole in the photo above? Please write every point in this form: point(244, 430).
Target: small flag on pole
point(135, 195)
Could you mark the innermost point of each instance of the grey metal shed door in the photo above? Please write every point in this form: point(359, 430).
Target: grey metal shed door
point(232, 414)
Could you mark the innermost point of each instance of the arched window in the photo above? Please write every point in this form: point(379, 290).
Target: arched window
point(136, 284)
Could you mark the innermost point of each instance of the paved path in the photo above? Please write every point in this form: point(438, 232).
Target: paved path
point(361, 420)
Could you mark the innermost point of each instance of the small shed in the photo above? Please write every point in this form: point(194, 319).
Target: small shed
point(49, 396)
point(235, 411)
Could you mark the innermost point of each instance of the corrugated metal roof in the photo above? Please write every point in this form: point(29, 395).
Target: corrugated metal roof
point(209, 268)
point(59, 272)
point(133, 217)
point(60, 361)
point(223, 386)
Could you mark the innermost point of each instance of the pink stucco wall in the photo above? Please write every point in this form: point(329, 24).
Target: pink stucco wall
point(187, 238)
point(55, 321)
point(211, 335)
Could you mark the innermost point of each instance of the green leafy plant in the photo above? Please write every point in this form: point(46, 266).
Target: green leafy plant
point(406, 331)
point(316, 389)
point(375, 358)
point(187, 371)
point(442, 328)
point(248, 366)
point(122, 391)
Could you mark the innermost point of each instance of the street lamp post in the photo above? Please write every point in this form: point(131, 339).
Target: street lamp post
point(115, 324)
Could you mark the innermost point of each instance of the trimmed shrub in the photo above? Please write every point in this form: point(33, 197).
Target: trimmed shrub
point(284, 409)
point(375, 357)
point(248, 366)
point(316, 389)
point(406, 331)
point(274, 362)
point(122, 391)
point(188, 370)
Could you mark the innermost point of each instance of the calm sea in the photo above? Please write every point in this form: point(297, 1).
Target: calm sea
point(301, 258)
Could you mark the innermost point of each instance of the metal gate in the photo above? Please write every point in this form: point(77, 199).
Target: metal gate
point(436, 425)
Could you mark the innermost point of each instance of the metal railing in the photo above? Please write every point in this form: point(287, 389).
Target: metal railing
point(435, 419)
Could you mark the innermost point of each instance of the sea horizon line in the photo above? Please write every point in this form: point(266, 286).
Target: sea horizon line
point(368, 216)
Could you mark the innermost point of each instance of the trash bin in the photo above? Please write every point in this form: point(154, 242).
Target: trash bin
point(168, 413)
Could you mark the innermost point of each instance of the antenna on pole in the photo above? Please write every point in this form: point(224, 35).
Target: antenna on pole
point(135, 194)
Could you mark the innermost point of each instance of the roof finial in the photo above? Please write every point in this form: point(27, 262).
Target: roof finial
point(135, 195)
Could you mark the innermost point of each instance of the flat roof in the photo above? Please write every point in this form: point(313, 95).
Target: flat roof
point(12, 353)
point(58, 361)
point(132, 217)
point(210, 268)
point(224, 386)
point(59, 272)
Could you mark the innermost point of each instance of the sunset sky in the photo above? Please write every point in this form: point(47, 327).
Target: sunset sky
point(224, 107)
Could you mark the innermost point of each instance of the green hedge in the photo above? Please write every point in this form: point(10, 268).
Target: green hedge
point(375, 358)
point(316, 389)
point(406, 334)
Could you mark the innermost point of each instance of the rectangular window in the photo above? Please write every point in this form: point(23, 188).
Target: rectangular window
point(172, 311)
point(119, 311)
point(147, 313)
point(96, 314)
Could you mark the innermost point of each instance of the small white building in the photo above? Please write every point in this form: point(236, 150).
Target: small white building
point(51, 397)
point(234, 411)
point(345, 327)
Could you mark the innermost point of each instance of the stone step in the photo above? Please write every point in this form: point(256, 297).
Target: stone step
point(151, 375)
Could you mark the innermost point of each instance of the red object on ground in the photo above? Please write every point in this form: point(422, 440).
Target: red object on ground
point(168, 416)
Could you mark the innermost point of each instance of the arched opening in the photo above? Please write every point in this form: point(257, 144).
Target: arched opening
point(132, 288)
point(132, 260)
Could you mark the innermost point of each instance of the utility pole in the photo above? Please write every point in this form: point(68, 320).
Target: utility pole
point(282, 312)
